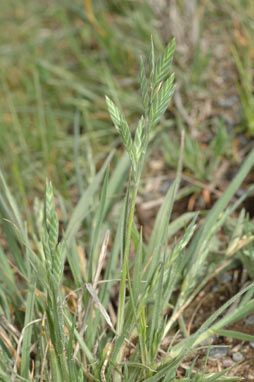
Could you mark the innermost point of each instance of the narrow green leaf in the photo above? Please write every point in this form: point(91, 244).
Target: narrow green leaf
point(76, 151)
point(111, 268)
point(7, 276)
point(113, 258)
point(247, 297)
point(162, 218)
point(100, 306)
point(155, 326)
point(117, 182)
point(54, 365)
point(76, 266)
point(167, 367)
point(9, 204)
point(97, 228)
point(71, 363)
point(175, 264)
point(235, 334)
point(80, 340)
point(82, 208)
point(80, 375)
point(136, 284)
point(180, 222)
point(236, 234)
point(26, 346)
point(160, 227)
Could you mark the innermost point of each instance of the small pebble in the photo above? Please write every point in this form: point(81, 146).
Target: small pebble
point(165, 186)
point(249, 320)
point(240, 192)
point(237, 357)
point(208, 341)
point(229, 120)
point(228, 102)
point(243, 140)
point(215, 288)
point(251, 344)
point(218, 352)
point(224, 277)
point(228, 362)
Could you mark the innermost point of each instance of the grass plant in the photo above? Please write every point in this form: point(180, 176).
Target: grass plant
point(112, 310)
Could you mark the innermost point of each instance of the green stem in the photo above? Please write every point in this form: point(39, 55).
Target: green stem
point(53, 363)
point(137, 178)
point(63, 368)
point(57, 331)
point(120, 320)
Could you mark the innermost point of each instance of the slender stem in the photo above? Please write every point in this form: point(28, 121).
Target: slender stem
point(53, 363)
point(120, 320)
point(122, 295)
point(63, 367)
point(137, 177)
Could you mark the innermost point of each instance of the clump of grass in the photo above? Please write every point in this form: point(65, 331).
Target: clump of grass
point(58, 320)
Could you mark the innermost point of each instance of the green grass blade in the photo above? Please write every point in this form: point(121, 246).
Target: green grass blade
point(113, 259)
point(137, 281)
point(162, 219)
point(155, 326)
point(180, 222)
point(8, 203)
point(98, 224)
point(26, 346)
point(76, 153)
point(84, 204)
point(235, 334)
point(76, 266)
point(80, 340)
point(116, 182)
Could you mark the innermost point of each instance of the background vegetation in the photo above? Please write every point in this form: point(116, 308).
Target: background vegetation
point(63, 315)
